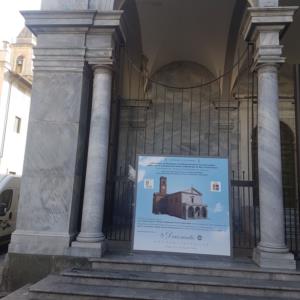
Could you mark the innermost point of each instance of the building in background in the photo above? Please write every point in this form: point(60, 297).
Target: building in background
point(15, 92)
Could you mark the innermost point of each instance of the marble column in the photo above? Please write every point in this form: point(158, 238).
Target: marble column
point(271, 251)
point(264, 25)
point(91, 239)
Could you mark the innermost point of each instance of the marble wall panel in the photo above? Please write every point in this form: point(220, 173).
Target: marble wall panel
point(51, 148)
point(52, 182)
point(263, 3)
point(102, 4)
point(63, 40)
point(64, 5)
point(56, 97)
point(77, 4)
point(45, 205)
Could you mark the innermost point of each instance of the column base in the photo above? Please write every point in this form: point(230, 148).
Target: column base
point(89, 250)
point(43, 242)
point(273, 260)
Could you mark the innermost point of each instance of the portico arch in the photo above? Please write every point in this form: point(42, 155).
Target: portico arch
point(191, 212)
point(204, 212)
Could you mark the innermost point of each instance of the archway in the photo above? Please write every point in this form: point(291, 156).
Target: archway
point(172, 103)
point(191, 213)
point(197, 212)
point(204, 212)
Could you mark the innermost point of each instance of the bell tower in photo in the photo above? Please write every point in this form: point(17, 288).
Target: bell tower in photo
point(163, 186)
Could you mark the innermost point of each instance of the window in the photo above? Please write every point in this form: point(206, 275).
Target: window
point(17, 126)
point(19, 64)
point(5, 201)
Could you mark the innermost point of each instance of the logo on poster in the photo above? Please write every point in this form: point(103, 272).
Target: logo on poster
point(215, 187)
point(149, 184)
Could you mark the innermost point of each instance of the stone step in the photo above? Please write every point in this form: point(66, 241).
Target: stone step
point(20, 294)
point(192, 265)
point(58, 288)
point(185, 283)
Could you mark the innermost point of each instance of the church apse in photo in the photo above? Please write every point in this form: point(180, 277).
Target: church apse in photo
point(187, 204)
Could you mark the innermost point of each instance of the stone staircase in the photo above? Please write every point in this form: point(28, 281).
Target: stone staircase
point(159, 277)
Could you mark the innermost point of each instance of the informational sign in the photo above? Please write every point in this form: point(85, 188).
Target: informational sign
point(182, 205)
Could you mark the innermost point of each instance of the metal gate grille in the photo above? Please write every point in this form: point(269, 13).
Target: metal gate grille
point(199, 120)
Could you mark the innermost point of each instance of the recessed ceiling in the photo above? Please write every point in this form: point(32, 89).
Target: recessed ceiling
point(291, 40)
point(185, 30)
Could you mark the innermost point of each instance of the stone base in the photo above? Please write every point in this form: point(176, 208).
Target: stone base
point(90, 250)
point(22, 269)
point(44, 243)
point(269, 260)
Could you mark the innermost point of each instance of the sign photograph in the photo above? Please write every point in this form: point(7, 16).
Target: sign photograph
point(182, 205)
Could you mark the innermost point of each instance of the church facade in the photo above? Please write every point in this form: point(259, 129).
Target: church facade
point(187, 204)
point(114, 79)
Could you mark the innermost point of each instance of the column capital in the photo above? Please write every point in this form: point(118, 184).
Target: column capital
point(264, 27)
point(267, 16)
point(102, 68)
point(107, 31)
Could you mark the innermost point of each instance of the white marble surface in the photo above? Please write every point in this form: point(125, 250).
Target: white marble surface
point(102, 4)
point(269, 161)
point(52, 188)
point(264, 3)
point(51, 184)
point(94, 193)
point(272, 251)
point(78, 4)
point(64, 5)
point(263, 26)
point(66, 111)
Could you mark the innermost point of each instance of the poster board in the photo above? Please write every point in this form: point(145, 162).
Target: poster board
point(182, 205)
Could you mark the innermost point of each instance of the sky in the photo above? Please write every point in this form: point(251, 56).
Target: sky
point(11, 21)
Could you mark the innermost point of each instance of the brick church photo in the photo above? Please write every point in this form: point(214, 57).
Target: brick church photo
point(187, 204)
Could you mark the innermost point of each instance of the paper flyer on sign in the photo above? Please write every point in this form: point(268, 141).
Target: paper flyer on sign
point(182, 205)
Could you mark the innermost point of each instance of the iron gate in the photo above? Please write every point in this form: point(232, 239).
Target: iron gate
point(195, 120)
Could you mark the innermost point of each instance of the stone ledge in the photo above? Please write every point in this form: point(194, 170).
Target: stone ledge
point(267, 16)
point(68, 18)
point(22, 269)
point(23, 242)
point(88, 250)
point(268, 260)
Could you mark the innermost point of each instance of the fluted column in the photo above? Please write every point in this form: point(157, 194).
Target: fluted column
point(263, 27)
point(91, 237)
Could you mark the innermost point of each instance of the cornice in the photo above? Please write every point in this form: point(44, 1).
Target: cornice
point(257, 16)
point(59, 21)
point(108, 18)
point(40, 21)
point(101, 29)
